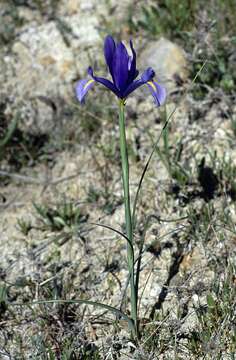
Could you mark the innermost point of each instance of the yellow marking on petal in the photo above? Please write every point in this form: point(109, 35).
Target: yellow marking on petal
point(151, 83)
point(88, 83)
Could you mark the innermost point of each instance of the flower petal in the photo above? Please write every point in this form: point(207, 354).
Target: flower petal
point(107, 83)
point(82, 87)
point(148, 75)
point(109, 50)
point(133, 86)
point(120, 66)
point(158, 92)
point(133, 73)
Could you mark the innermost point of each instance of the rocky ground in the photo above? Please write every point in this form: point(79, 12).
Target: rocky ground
point(60, 174)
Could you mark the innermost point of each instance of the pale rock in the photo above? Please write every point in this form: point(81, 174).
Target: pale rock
point(116, 10)
point(85, 43)
point(194, 258)
point(28, 15)
point(68, 7)
point(43, 65)
point(38, 116)
point(86, 5)
point(43, 62)
point(168, 61)
point(190, 322)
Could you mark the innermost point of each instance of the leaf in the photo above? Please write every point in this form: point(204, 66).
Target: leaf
point(118, 232)
point(10, 132)
point(157, 142)
point(87, 302)
point(210, 301)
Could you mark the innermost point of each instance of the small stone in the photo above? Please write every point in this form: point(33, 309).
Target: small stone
point(168, 61)
point(37, 116)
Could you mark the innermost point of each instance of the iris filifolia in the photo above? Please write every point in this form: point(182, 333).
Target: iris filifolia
point(124, 74)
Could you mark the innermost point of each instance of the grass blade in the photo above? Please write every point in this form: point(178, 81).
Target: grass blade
point(10, 131)
point(116, 231)
point(86, 302)
point(156, 145)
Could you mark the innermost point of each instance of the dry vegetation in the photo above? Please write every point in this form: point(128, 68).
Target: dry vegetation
point(55, 186)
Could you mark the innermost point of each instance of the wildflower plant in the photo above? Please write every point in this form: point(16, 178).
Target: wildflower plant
point(122, 68)
point(124, 74)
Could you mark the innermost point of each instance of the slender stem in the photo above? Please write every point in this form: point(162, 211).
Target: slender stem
point(128, 217)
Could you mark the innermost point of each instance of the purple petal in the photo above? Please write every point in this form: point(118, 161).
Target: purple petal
point(109, 50)
point(107, 83)
point(120, 67)
point(158, 92)
point(148, 75)
point(133, 86)
point(82, 87)
point(133, 73)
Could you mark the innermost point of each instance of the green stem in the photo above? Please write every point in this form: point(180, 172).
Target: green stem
point(128, 218)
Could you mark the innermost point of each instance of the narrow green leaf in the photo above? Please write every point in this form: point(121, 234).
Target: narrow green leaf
point(116, 231)
point(87, 302)
point(156, 144)
point(210, 301)
point(10, 132)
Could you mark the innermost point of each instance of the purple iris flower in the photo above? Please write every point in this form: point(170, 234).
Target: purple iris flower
point(122, 68)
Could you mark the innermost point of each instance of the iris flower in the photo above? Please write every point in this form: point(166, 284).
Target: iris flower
point(122, 68)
